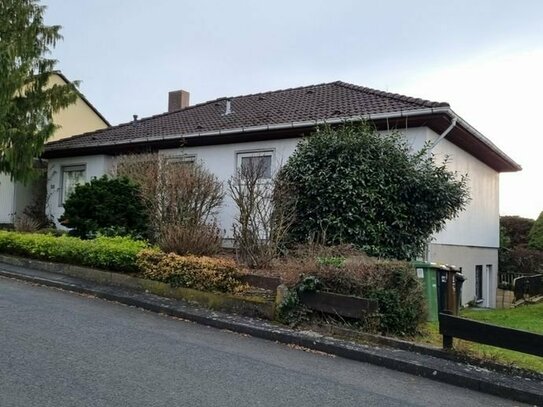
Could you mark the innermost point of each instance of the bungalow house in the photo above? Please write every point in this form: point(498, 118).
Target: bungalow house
point(77, 118)
point(223, 132)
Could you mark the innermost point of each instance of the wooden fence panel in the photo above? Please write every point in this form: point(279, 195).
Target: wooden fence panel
point(344, 305)
point(514, 339)
point(529, 286)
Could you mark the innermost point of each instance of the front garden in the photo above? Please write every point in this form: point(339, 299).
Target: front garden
point(343, 217)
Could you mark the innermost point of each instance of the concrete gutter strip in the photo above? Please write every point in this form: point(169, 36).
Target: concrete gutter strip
point(512, 387)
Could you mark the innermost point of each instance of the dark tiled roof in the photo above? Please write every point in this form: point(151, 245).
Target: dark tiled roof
point(316, 102)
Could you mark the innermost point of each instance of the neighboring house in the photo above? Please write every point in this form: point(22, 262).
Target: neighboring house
point(222, 133)
point(79, 117)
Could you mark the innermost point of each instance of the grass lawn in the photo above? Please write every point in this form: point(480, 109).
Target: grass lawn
point(528, 318)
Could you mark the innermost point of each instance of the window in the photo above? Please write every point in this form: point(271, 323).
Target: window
point(181, 159)
point(71, 177)
point(479, 282)
point(260, 161)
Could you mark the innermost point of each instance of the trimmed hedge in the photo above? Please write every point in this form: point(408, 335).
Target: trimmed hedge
point(110, 253)
point(199, 273)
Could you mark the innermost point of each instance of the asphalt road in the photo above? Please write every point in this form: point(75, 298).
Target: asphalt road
point(63, 349)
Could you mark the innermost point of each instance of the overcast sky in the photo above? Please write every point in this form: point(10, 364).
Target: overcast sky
point(483, 57)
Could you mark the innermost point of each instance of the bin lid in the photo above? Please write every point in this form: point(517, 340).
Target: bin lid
point(431, 265)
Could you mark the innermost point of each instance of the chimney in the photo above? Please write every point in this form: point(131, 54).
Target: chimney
point(178, 99)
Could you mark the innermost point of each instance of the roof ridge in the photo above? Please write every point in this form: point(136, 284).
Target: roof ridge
point(280, 90)
point(397, 96)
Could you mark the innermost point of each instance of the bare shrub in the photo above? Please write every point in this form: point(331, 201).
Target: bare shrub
point(182, 200)
point(26, 223)
point(178, 238)
point(264, 215)
point(305, 260)
point(144, 170)
point(394, 284)
point(33, 217)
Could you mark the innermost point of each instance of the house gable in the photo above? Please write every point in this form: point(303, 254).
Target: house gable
point(77, 118)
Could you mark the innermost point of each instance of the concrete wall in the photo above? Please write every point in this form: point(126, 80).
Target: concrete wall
point(467, 258)
point(96, 166)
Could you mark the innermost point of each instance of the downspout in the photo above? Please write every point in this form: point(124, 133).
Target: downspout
point(443, 135)
point(426, 255)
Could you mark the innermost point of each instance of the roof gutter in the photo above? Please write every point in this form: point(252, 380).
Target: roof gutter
point(280, 126)
point(456, 120)
point(482, 138)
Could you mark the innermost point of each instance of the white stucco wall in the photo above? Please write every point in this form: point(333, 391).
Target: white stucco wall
point(7, 190)
point(15, 197)
point(467, 258)
point(96, 166)
point(221, 160)
point(479, 224)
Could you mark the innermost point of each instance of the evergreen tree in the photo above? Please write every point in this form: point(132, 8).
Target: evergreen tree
point(536, 234)
point(27, 103)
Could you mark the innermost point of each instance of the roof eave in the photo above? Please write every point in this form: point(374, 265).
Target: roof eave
point(507, 163)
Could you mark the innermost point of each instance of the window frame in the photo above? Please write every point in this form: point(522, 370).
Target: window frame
point(70, 168)
point(479, 289)
point(267, 152)
point(180, 159)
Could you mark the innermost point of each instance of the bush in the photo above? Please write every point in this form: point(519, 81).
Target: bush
point(116, 253)
point(105, 206)
point(515, 230)
point(536, 234)
point(354, 185)
point(521, 260)
point(393, 283)
point(199, 273)
point(180, 239)
point(182, 200)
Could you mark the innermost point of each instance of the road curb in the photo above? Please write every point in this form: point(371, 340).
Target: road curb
point(495, 383)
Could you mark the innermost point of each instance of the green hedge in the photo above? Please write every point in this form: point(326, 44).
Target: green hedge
point(110, 253)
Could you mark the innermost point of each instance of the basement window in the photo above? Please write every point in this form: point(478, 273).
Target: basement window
point(72, 176)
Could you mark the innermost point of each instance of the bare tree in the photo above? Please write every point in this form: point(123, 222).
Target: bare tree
point(264, 214)
point(182, 199)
